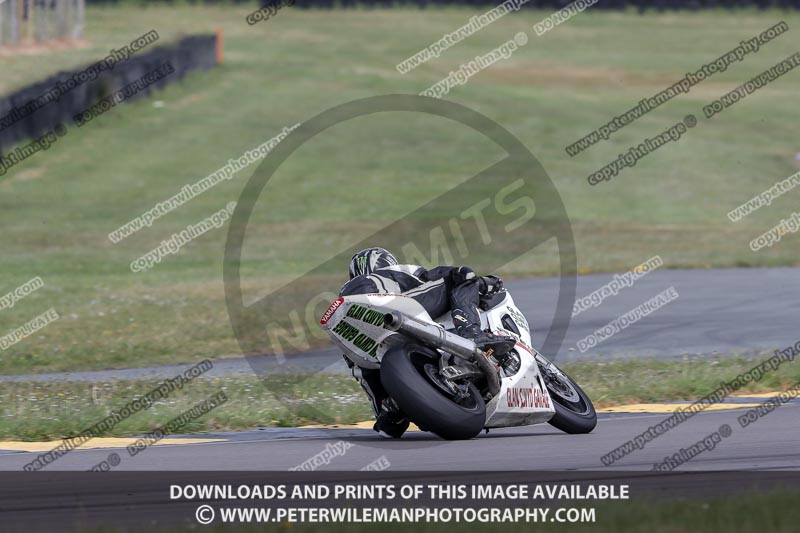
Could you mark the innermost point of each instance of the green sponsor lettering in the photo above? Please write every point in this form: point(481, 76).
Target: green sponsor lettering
point(364, 343)
point(356, 311)
point(346, 331)
point(374, 317)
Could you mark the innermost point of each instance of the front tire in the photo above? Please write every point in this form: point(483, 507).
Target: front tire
point(408, 373)
point(574, 410)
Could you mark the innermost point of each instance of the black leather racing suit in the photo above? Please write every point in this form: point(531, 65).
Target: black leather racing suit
point(438, 290)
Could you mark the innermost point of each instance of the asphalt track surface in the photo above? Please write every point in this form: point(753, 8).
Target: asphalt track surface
point(751, 459)
point(770, 443)
point(761, 457)
point(718, 311)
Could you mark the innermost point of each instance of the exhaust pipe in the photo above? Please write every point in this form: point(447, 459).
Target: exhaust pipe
point(436, 337)
point(430, 334)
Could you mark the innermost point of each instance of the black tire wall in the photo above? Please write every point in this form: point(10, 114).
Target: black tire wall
point(190, 53)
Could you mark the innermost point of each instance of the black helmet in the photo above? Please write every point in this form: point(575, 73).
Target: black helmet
point(370, 259)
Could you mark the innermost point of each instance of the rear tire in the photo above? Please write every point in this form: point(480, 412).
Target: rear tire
point(404, 378)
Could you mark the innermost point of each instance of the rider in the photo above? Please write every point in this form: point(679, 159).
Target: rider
point(458, 289)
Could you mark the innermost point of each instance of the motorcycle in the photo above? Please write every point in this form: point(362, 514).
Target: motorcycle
point(443, 382)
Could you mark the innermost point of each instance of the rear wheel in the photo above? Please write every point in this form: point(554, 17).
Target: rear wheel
point(574, 410)
point(451, 410)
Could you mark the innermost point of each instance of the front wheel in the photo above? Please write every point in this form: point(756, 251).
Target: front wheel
point(410, 374)
point(574, 410)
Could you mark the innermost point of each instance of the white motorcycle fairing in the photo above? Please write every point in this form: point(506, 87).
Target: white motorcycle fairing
point(355, 324)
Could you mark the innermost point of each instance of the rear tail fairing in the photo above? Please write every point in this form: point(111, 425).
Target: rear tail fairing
point(355, 324)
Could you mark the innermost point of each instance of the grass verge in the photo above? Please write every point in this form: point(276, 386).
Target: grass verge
point(46, 411)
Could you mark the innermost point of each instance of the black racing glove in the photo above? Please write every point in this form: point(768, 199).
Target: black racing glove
point(491, 284)
point(461, 275)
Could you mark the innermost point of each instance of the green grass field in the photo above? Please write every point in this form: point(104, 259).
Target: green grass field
point(53, 410)
point(57, 208)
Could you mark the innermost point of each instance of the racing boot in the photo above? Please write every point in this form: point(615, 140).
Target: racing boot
point(494, 345)
point(390, 423)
